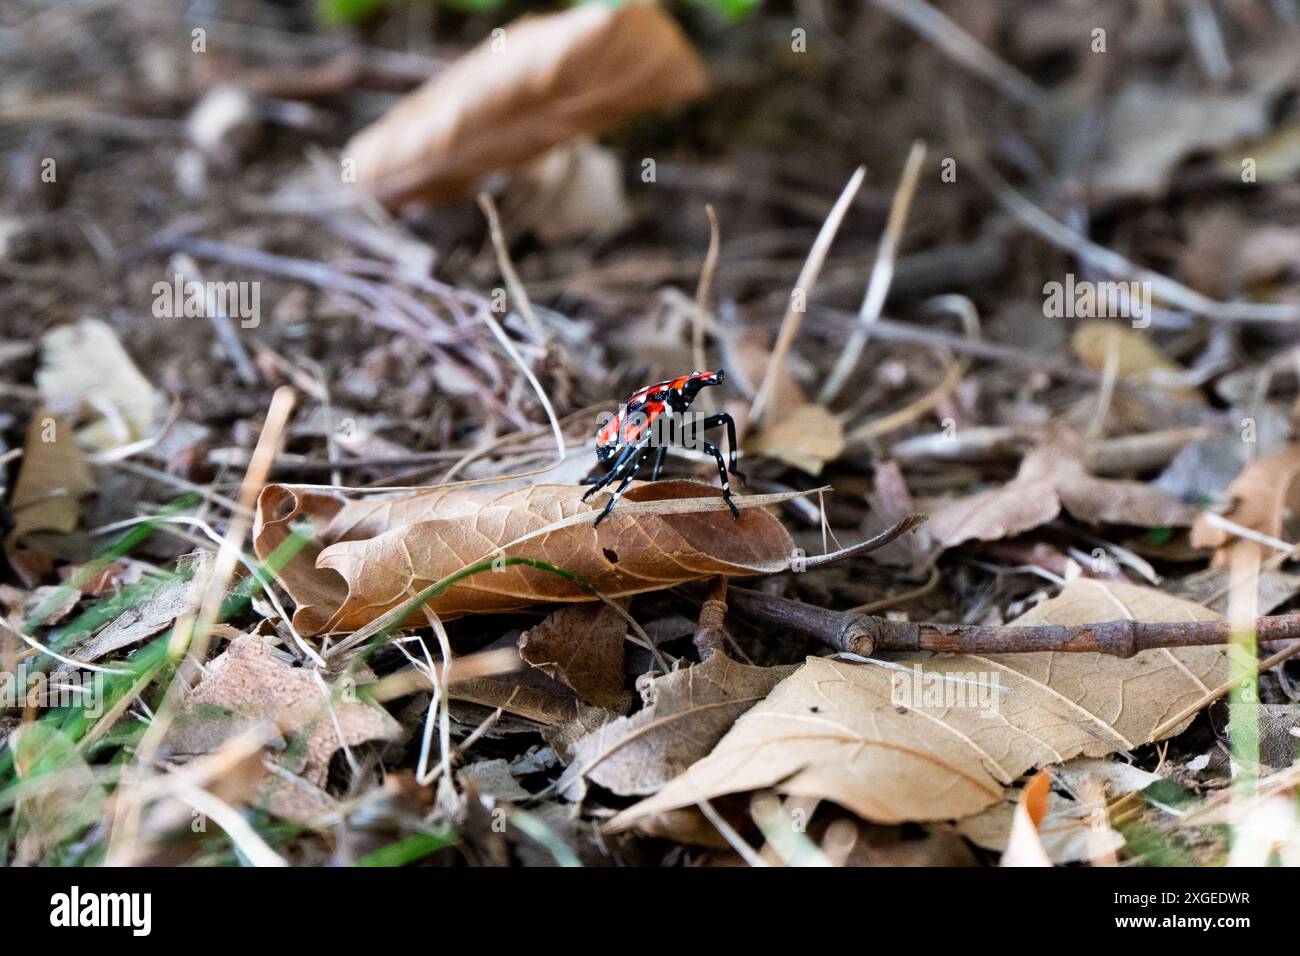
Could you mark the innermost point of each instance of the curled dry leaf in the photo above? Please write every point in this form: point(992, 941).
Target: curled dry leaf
point(582, 647)
point(87, 364)
point(370, 556)
point(248, 686)
point(833, 729)
point(1051, 477)
point(1263, 498)
point(686, 713)
point(538, 82)
point(47, 497)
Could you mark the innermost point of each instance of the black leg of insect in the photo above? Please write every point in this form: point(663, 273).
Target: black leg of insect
point(712, 449)
point(660, 452)
point(636, 461)
point(722, 418)
point(619, 465)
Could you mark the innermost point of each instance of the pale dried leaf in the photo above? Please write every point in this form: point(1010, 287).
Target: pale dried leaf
point(832, 730)
point(686, 713)
point(87, 364)
point(492, 778)
point(1265, 497)
point(573, 192)
point(247, 685)
point(1150, 128)
point(150, 613)
point(807, 437)
point(1052, 476)
point(540, 81)
point(1118, 776)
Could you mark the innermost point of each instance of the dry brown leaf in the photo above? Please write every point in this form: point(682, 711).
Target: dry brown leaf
point(152, 612)
point(582, 648)
point(573, 192)
point(535, 83)
point(530, 695)
point(1151, 127)
point(1263, 498)
point(86, 364)
point(1137, 358)
point(1051, 477)
point(373, 555)
point(54, 477)
point(686, 713)
point(248, 686)
point(832, 730)
point(807, 437)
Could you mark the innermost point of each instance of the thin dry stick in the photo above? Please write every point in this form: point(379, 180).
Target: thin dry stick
point(963, 308)
point(230, 341)
point(882, 274)
point(525, 308)
point(193, 635)
point(228, 555)
point(702, 290)
point(1113, 264)
point(864, 634)
point(965, 49)
point(1267, 663)
point(1110, 375)
point(802, 292)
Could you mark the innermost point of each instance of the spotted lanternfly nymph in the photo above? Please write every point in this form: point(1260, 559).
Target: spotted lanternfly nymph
point(628, 437)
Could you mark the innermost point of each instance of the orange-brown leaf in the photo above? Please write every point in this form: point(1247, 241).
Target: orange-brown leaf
point(537, 83)
point(1262, 498)
point(371, 556)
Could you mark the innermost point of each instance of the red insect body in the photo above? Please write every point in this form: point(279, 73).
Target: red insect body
point(627, 437)
point(638, 414)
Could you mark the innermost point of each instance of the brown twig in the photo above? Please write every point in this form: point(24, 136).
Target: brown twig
point(710, 635)
point(864, 634)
